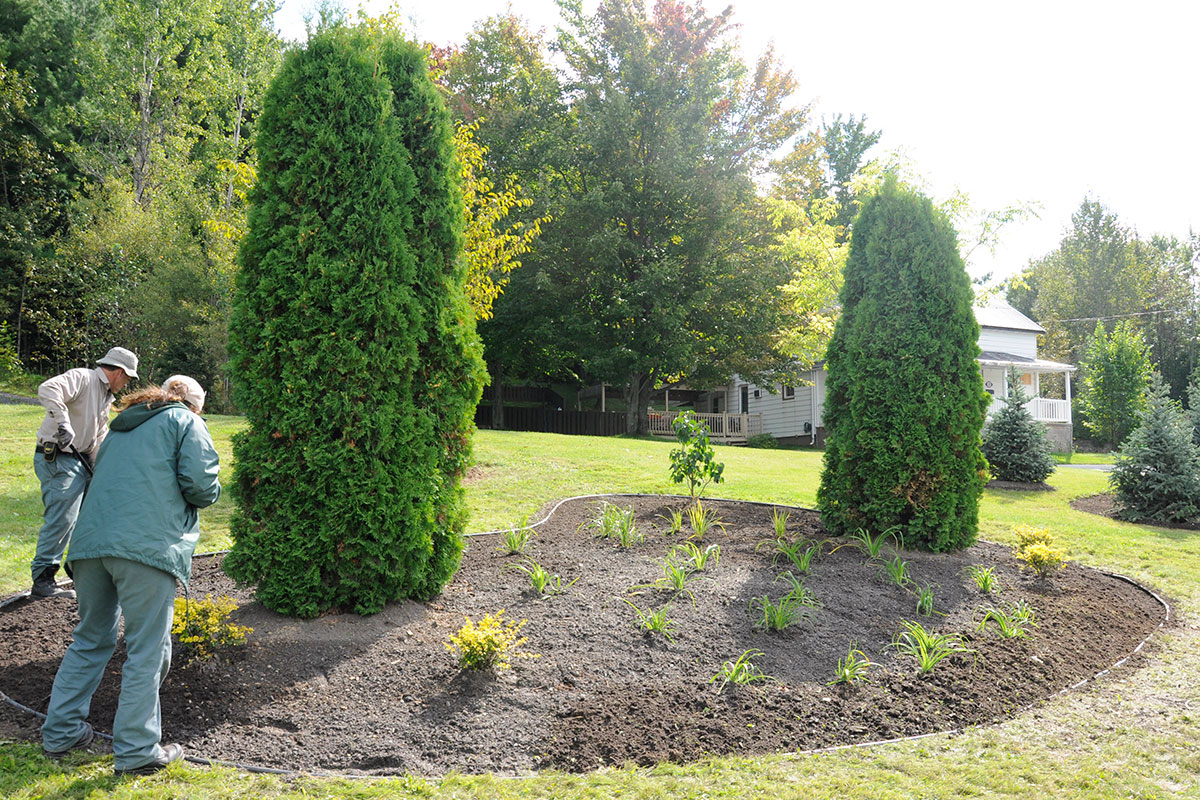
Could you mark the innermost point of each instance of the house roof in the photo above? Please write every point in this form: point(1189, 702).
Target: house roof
point(999, 314)
point(992, 358)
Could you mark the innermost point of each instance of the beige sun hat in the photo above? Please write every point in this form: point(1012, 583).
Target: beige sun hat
point(121, 358)
point(193, 394)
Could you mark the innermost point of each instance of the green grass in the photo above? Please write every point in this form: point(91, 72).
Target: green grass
point(1130, 735)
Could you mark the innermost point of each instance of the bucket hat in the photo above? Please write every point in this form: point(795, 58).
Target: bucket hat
point(121, 358)
point(193, 394)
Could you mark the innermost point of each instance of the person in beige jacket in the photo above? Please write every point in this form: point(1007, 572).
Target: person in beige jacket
point(77, 403)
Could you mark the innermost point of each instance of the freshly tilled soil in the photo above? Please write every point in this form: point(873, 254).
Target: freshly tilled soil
point(384, 695)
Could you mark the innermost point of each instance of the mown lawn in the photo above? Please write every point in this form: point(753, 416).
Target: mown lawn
point(1132, 734)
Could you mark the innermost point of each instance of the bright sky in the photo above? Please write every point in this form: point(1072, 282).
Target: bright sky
point(1028, 100)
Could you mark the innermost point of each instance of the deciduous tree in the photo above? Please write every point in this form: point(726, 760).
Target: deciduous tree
point(1116, 373)
point(671, 128)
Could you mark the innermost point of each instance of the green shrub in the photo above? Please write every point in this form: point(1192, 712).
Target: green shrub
point(763, 441)
point(9, 361)
point(1157, 473)
point(1014, 443)
point(352, 347)
point(905, 401)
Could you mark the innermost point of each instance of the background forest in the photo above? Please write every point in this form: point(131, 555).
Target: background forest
point(647, 205)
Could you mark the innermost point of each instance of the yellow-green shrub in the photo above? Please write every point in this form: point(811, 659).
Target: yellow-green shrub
point(488, 644)
point(1028, 535)
point(1042, 558)
point(203, 626)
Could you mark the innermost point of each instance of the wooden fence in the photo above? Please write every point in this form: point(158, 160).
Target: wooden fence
point(548, 420)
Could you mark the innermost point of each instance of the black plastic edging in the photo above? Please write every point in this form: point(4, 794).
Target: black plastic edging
point(255, 769)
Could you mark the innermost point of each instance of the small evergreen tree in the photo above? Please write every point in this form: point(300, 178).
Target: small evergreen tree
point(352, 346)
point(1193, 410)
point(905, 400)
point(1157, 475)
point(1115, 376)
point(1014, 443)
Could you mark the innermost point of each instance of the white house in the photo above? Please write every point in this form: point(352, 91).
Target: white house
point(1007, 338)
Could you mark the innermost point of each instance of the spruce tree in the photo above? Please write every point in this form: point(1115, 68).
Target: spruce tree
point(1193, 409)
point(905, 401)
point(1157, 474)
point(1014, 443)
point(352, 349)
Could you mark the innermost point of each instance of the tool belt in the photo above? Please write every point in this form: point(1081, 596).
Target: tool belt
point(51, 451)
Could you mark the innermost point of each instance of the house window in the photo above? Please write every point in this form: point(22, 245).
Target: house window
point(745, 399)
point(716, 405)
point(789, 392)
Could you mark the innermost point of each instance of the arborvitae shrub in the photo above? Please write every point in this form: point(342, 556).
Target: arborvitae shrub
point(1014, 443)
point(905, 399)
point(352, 350)
point(1157, 474)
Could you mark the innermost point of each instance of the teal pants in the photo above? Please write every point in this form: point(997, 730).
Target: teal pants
point(107, 589)
point(64, 481)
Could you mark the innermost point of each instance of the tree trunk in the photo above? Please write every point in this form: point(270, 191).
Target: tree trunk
point(637, 400)
point(142, 139)
point(237, 148)
point(498, 398)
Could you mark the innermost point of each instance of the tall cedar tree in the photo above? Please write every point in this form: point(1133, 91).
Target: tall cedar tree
point(352, 345)
point(1157, 474)
point(905, 400)
point(1014, 443)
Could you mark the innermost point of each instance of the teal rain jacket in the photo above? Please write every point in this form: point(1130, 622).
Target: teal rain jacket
point(156, 468)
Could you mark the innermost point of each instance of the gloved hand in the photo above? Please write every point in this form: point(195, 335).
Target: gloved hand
point(65, 435)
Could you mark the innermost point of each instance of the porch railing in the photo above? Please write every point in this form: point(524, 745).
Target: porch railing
point(725, 428)
point(1043, 409)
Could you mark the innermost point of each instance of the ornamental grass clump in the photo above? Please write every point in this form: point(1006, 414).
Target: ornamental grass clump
point(852, 669)
point(516, 539)
point(872, 546)
point(202, 627)
point(352, 346)
point(611, 521)
point(984, 578)
point(652, 620)
point(1014, 443)
point(740, 671)
point(1157, 473)
point(927, 647)
point(702, 521)
point(905, 401)
point(489, 644)
point(1011, 622)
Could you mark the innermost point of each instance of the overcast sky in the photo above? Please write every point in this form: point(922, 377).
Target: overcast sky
point(1048, 101)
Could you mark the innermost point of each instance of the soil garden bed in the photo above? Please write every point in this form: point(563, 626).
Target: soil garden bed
point(1105, 505)
point(383, 694)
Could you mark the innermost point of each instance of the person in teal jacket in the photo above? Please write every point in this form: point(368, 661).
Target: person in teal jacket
point(137, 529)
